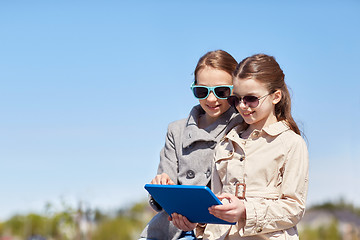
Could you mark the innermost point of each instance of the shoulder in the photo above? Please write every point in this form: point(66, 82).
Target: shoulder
point(178, 124)
point(194, 114)
point(281, 131)
point(290, 139)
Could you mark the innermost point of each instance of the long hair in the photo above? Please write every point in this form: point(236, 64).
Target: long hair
point(266, 70)
point(218, 59)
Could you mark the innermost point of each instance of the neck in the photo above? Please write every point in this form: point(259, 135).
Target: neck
point(261, 124)
point(205, 121)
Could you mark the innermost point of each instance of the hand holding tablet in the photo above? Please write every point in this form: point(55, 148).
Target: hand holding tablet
point(188, 200)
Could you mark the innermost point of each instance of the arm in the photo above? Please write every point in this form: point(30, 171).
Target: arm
point(168, 162)
point(263, 215)
point(168, 158)
point(269, 215)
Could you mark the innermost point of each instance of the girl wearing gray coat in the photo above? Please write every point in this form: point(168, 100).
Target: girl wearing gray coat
point(186, 158)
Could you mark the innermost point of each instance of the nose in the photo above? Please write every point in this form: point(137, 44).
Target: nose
point(211, 97)
point(242, 105)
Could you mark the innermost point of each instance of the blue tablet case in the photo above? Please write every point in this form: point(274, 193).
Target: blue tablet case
point(187, 200)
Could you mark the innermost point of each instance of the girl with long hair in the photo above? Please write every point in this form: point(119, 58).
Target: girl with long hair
point(261, 165)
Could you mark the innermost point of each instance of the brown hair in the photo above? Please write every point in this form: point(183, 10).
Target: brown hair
point(218, 59)
point(265, 69)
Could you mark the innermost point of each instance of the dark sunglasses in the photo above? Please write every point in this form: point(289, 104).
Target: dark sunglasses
point(250, 101)
point(202, 92)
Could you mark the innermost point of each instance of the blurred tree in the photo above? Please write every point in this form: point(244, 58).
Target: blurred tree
point(2, 229)
point(330, 232)
point(114, 229)
point(16, 225)
point(99, 216)
point(35, 225)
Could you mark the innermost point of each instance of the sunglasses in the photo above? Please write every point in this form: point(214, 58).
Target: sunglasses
point(202, 92)
point(249, 101)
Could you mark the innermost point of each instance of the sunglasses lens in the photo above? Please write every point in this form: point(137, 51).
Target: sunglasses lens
point(251, 101)
point(222, 92)
point(200, 92)
point(233, 101)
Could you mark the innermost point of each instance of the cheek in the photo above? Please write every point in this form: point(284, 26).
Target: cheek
point(202, 103)
point(224, 102)
point(268, 107)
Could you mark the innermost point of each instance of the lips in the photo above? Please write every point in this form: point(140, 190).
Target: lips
point(246, 114)
point(213, 107)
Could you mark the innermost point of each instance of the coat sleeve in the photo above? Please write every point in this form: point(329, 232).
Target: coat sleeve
point(168, 156)
point(270, 215)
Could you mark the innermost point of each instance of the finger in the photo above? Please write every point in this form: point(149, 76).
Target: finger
point(186, 223)
point(156, 180)
point(163, 181)
point(229, 216)
point(177, 221)
point(182, 222)
point(170, 182)
point(221, 216)
point(174, 219)
point(224, 195)
point(222, 208)
point(190, 226)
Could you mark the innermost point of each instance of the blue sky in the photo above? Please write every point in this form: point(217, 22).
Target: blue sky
point(87, 89)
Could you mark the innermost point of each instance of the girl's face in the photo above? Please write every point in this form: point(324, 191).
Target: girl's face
point(261, 115)
point(211, 77)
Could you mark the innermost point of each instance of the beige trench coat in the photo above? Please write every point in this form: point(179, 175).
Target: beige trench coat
point(273, 163)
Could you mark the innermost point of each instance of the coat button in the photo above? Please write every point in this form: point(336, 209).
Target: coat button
point(259, 229)
point(190, 174)
point(242, 158)
point(208, 173)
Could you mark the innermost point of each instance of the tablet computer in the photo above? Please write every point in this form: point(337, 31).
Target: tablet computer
point(188, 200)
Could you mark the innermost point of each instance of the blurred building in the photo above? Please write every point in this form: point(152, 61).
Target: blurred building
point(346, 222)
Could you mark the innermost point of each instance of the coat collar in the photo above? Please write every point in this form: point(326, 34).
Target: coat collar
point(271, 130)
point(276, 128)
point(193, 133)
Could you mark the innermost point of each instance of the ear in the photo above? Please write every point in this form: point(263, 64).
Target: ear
point(277, 96)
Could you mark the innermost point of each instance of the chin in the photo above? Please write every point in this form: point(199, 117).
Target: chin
point(214, 115)
point(248, 121)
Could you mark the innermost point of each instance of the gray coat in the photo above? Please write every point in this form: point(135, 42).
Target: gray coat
point(187, 159)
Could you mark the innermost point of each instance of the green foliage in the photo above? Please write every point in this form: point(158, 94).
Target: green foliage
point(99, 216)
point(126, 225)
point(330, 232)
point(65, 225)
point(16, 224)
point(114, 229)
point(25, 226)
point(57, 222)
point(1, 229)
